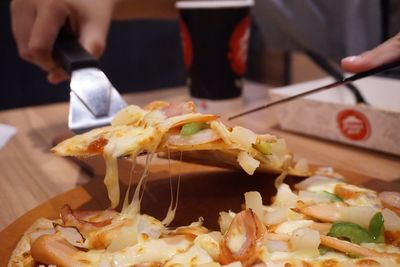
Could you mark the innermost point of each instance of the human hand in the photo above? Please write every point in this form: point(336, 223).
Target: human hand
point(36, 23)
point(386, 52)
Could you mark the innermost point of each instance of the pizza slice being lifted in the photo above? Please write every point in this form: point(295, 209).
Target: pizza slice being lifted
point(161, 126)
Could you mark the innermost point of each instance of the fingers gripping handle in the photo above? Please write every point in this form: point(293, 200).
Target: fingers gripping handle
point(70, 54)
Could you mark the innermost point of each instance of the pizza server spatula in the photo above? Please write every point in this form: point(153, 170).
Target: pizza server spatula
point(93, 99)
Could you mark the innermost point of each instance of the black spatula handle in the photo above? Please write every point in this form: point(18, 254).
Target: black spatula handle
point(70, 54)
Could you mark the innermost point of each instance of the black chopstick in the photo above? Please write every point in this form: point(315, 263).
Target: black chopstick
point(344, 81)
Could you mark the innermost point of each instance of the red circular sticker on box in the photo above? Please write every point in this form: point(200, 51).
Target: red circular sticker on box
point(353, 124)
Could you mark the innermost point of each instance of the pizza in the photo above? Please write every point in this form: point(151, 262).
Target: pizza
point(161, 126)
point(320, 221)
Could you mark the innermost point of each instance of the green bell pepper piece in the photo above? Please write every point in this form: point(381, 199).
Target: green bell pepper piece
point(357, 234)
point(376, 228)
point(332, 197)
point(192, 128)
point(351, 231)
point(264, 147)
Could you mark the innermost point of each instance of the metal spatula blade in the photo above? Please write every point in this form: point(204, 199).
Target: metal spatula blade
point(93, 99)
point(82, 119)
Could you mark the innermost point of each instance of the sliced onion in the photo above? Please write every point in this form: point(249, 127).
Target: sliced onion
point(305, 239)
point(222, 131)
point(302, 166)
point(243, 137)
point(154, 117)
point(391, 200)
point(248, 163)
point(201, 137)
point(275, 161)
point(129, 115)
point(312, 197)
point(277, 246)
point(285, 197)
point(180, 120)
point(279, 147)
point(253, 200)
point(360, 215)
point(210, 243)
point(316, 180)
point(289, 227)
point(391, 220)
point(126, 237)
point(276, 216)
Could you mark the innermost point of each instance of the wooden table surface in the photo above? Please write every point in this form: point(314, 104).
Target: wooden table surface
point(30, 174)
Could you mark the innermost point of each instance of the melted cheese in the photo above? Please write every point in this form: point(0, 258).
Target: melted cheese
point(280, 258)
point(111, 180)
point(289, 227)
point(192, 257)
point(134, 207)
point(210, 243)
point(150, 251)
point(126, 237)
point(131, 141)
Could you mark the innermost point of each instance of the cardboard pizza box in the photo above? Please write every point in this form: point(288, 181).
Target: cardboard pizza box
point(334, 115)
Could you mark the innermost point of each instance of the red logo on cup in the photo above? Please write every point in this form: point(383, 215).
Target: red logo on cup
point(238, 46)
point(186, 45)
point(353, 124)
